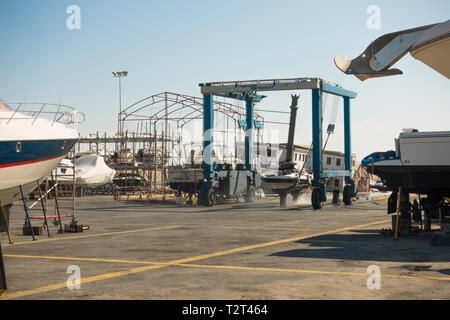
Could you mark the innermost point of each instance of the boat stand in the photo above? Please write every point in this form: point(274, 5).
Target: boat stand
point(43, 208)
point(25, 207)
point(55, 194)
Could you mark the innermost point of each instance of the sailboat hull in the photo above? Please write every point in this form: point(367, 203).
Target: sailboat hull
point(284, 183)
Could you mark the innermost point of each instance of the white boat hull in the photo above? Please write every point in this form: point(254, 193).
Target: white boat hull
point(277, 184)
point(423, 165)
point(30, 148)
point(285, 183)
point(26, 176)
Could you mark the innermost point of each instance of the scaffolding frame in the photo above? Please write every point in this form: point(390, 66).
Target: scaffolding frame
point(149, 141)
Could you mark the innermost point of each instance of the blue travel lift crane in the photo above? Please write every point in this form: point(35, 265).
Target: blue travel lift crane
point(247, 90)
point(219, 179)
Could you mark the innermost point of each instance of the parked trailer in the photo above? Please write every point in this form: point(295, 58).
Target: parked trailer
point(228, 184)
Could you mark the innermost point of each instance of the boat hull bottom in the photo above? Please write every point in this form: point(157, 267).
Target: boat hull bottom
point(416, 179)
point(25, 175)
point(280, 185)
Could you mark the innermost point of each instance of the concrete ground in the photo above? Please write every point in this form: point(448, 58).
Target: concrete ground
point(230, 251)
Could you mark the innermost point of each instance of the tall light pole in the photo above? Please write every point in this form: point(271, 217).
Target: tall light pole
point(119, 75)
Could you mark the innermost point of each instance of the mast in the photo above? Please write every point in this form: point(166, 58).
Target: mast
point(290, 144)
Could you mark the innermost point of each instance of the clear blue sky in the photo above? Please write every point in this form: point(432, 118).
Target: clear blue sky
point(174, 45)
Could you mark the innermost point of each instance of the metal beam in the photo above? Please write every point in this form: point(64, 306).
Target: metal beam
point(242, 96)
point(336, 173)
point(233, 89)
point(347, 139)
point(208, 139)
point(249, 134)
point(317, 136)
point(337, 90)
point(260, 85)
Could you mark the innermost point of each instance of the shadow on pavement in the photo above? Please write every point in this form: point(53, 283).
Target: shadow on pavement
point(368, 245)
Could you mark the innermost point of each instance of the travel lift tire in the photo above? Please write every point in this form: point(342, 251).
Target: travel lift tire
point(347, 194)
point(426, 221)
point(316, 198)
point(251, 194)
point(210, 197)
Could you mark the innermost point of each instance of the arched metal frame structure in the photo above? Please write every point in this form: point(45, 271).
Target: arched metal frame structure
point(180, 101)
point(154, 126)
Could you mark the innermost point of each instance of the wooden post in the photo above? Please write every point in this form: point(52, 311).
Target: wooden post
point(397, 218)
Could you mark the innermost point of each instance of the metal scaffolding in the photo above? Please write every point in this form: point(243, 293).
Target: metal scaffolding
point(151, 138)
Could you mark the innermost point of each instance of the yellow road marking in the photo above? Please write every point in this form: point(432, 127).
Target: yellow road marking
point(266, 244)
point(83, 281)
point(181, 261)
point(164, 264)
point(80, 259)
point(243, 228)
point(309, 271)
point(167, 264)
point(91, 235)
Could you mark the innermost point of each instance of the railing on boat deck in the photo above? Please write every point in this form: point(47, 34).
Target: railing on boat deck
point(54, 113)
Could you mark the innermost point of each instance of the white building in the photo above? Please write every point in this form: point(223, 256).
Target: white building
point(302, 156)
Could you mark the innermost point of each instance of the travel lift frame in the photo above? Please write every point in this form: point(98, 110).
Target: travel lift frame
point(219, 179)
point(247, 90)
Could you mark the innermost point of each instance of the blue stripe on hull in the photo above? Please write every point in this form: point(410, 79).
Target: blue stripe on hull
point(33, 150)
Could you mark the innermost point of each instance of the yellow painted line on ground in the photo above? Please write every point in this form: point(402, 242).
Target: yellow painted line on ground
point(63, 285)
point(158, 265)
point(164, 264)
point(309, 271)
point(182, 261)
point(271, 243)
point(243, 228)
point(91, 235)
point(82, 259)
